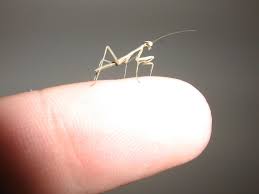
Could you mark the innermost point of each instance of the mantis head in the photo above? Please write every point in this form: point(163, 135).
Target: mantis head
point(149, 44)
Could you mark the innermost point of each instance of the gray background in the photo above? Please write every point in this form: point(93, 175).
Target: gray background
point(46, 43)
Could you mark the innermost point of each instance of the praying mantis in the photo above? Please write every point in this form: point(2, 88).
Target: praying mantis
point(134, 54)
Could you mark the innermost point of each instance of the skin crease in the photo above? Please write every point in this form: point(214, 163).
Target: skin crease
point(92, 137)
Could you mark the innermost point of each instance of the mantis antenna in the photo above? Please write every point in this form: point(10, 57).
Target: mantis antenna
point(169, 34)
point(172, 33)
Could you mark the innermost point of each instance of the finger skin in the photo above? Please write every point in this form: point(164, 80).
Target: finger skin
point(91, 137)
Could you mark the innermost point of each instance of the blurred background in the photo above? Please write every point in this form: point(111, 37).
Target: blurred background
point(53, 42)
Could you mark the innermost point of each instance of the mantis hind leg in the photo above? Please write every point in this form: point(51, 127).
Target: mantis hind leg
point(96, 75)
point(107, 48)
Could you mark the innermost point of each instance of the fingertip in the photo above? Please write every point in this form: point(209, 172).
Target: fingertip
point(112, 132)
point(124, 130)
point(140, 128)
point(199, 120)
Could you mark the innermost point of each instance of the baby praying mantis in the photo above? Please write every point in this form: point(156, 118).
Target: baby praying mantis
point(134, 54)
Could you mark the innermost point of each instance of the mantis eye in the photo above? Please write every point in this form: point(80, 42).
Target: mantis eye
point(149, 43)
